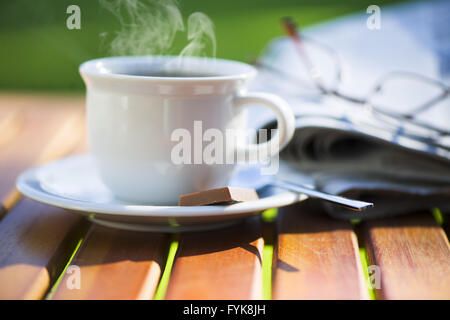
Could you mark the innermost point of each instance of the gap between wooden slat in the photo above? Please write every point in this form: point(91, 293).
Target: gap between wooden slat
point(269, 234)
point(363, 258)
point(443, 219)
point(62, 272)
point(446, 223)
point(165, 277)
point(438, 216)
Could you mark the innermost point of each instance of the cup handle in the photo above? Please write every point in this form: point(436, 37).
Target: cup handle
point(285, 120)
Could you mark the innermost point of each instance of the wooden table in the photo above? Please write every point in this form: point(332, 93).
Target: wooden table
point(302, 254)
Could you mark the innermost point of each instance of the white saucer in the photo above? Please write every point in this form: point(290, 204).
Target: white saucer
point(72, 183)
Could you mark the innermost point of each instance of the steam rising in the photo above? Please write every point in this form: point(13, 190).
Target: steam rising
point(200, 32)
point(149, 28)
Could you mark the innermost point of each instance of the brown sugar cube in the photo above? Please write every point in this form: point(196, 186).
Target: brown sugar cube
point(224, 195)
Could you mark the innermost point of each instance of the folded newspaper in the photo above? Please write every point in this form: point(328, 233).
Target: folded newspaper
point(342, 148)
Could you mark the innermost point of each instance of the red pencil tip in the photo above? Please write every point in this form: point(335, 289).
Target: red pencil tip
point(290, 27)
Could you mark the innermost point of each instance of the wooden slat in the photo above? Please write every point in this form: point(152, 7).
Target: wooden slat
point(413, 255)
point(35, 242)
point(11, 121)
point(317, 257)
point(446, 227)
point(34, 130)
point(219, 264)
point(116, 264)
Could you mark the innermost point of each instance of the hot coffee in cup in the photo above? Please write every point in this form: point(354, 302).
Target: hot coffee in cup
point(138, 106)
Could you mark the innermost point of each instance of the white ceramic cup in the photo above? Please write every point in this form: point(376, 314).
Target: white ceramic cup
point(132, 111)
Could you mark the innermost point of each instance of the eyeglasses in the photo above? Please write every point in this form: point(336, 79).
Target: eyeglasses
point(388, 100)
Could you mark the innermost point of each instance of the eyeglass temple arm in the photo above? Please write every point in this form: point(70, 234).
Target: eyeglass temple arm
point(410, 120)
point(291, 29)
point(428, 104)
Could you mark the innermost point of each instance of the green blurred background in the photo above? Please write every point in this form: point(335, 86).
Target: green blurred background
point(38, 52)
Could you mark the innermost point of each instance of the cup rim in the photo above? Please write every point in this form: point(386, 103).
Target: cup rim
point(102, 67)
